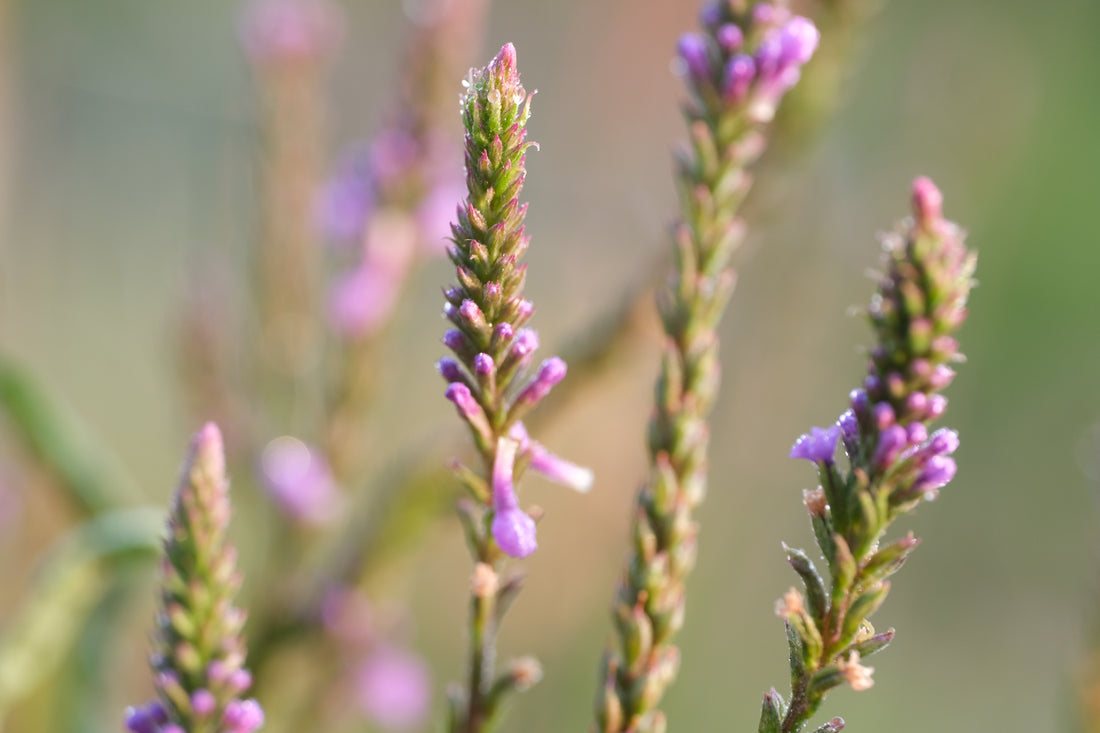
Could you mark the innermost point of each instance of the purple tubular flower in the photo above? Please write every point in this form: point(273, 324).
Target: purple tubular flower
point(463, 399)
point(692, 49)
point(527, 341)
point(449, 369)
point(884, 415)
point(550, 373)
point(937, 473)
point(243, 716)
point(891, 442)
point(203, 702)
point(798, 40)
point(917, 433)
point(512, 529)
point(779, 58)
point(819, 445)
point(730, 38)
point(557, 469)
point(483, 365)
point(739, 75)
point(944, 442)
point(146, 719)
point(849, 425)
point(454, 340)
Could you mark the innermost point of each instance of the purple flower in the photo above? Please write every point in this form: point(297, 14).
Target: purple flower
point(449, 369)
point(891, 442)
point(346, 200)
point(289, 30)
point(243, 716)
point(146, 719)
point(512, 529)
point(433, 216)
point(937, 473)
point(779, 58)
point(203, 702)
point(550, 373)
point(819, 445)
point(469, 409)
point(730, 38)
point(553, 467)
point(692, 49)
point(740, 72)
point(299, 480)
point(362, 300)
point(393, 688)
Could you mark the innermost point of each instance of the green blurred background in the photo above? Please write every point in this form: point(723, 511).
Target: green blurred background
point(129, 154)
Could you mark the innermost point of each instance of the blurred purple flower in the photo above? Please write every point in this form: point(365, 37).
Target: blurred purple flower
point(435, 213)
point(290, 30)
point(393, 688)
point(299, 480)
point(362, 300)
point(347, 199)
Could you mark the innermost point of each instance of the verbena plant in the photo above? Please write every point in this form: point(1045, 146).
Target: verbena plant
point(297, 420)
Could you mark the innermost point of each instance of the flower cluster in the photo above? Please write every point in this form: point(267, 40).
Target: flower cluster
point(893, 461)
point(736, 70)
point(199, 653)
point(493, 347)
point(747, 57)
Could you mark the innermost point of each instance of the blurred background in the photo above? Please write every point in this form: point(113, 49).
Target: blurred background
point(129, 167)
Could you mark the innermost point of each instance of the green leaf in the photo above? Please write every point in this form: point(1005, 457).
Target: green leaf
point(78, 570)
point(54, 437)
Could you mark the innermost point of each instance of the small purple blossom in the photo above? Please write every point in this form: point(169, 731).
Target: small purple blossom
point(463, 399)
point(550, 373)
point(553, 467)
point(393, 688)
point(290, 30)
point(730, 38)
point(819, 445)
point(884, 415)
point(937, 473)
point(147, 718)
point(346, 200)
point(740, 72)
point(944, 442)
point(298, 478)
point(449, 369)
point(203, 702)
point(362, 300)
point(779, 58)
point(692, 50)
point(526, 342)
point(512, 529)
point(891, 442)
point(243, 716)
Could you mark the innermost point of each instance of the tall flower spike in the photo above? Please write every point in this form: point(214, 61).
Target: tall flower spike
point(199, 653)
point(893, 461)
point(489, 378)
point(736, 71)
